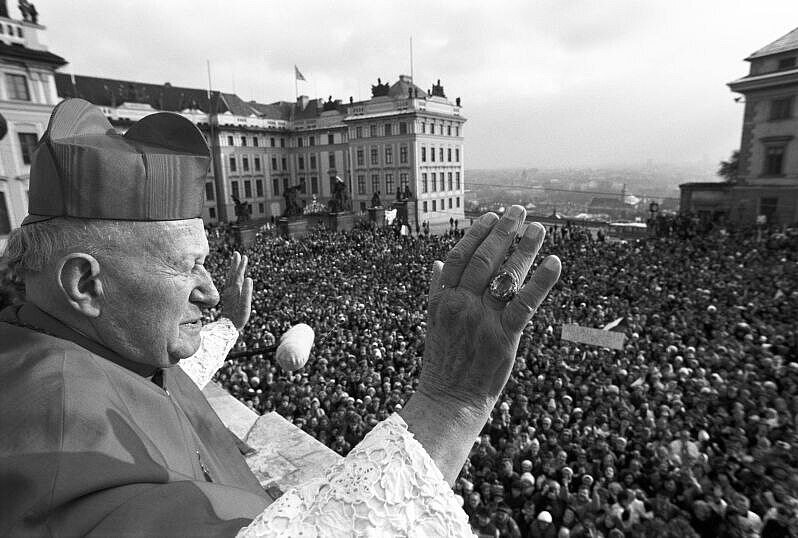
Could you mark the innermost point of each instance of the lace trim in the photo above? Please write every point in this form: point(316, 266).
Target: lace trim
point(218, 338)
point(387, 486)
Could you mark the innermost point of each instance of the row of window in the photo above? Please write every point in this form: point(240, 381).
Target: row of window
point(377, 185)
point(453, 202)
point(233, 163)
point(374, 155)
point(390, 129)
point(450, 180)
point(442, 152)
point(255, 141)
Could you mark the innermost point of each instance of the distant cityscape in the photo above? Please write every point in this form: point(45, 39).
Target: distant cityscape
point(611, 193)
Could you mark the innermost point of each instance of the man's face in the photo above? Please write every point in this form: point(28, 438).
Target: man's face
point(153, 292)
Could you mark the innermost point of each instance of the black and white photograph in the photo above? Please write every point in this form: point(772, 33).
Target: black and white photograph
point(513, 269)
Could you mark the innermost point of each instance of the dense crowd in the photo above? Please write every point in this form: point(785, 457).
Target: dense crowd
point(689, 431)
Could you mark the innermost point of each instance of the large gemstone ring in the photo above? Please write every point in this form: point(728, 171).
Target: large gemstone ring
point(503, 287)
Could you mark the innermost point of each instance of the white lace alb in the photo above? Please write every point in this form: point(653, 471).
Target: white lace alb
point(218, 338)
point(387, 486)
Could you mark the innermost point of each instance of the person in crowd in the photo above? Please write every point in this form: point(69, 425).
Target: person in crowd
point(699, 406)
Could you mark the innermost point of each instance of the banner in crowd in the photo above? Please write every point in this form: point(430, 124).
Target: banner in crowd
point(596, 337)
point(390, 215)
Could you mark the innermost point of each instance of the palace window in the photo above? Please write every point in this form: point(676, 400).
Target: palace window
point(276, 186)
point(388, 155)
point(372, 130)
point(457, 155)
point(312, 162)
point(244, 141)
point(312, 141)
point(375, 155)
point(331, 158)
point(234, 186)
point(449, 179)
point(375, 182)
point(425, 207)
point(388, 184)
point(457, 180)
point(434, 182)
point(361, 184)
point(774, 160)
point(245, 164)
point(423, 154)
point(259, 187)
point(449, 154)
point(301, 163)
point(330, 139)
point(230, 141)
point(233, 167)
point(255, 141)
point(387, 129)
point(424, 186)
point(787, 63)
point(403, 180)
point(314, 185)
point(781, 109)
point(257, 164)
point(360, 158)
point(247, 189)
point(209, 193)
point(274, 163)
point(403, 128)
point(27, 141)
point(403, 154)
point(17, 86)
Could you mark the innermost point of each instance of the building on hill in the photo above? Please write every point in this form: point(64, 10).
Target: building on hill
point(27, 97)
point(766, 186)
point(404, 143)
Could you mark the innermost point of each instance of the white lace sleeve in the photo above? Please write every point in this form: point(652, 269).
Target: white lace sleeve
point(387, 486)
point(217, 340)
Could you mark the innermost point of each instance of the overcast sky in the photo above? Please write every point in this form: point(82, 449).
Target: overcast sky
point(543, 83)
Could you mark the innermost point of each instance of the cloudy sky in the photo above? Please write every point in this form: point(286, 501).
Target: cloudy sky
point(550, 83)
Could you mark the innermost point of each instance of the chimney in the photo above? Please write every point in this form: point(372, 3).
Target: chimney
point(302, 102)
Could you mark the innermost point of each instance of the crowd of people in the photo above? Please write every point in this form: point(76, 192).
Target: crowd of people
point(691, 430)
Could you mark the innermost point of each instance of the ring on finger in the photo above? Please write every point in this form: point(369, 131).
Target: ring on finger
point(503, 287)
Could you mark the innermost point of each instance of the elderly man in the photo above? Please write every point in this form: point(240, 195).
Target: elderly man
point(101, 435)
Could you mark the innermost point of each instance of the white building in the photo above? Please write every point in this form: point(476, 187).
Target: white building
point(27, 97)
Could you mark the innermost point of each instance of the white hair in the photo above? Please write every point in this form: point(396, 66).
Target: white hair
point(31, 248)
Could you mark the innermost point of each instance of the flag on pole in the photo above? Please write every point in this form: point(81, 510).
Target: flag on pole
point(298, 73)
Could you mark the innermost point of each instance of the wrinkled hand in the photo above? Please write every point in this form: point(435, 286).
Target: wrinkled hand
point(472, 338)
point(236, 296)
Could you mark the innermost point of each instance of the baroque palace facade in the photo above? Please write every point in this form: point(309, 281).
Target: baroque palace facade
point(402, 138)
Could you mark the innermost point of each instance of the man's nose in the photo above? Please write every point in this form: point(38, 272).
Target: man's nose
point(205, 293)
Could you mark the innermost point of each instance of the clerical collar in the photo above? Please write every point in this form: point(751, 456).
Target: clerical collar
point(32, 317)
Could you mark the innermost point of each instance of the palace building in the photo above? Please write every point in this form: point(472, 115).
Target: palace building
point(403, 144)
point(765, 190)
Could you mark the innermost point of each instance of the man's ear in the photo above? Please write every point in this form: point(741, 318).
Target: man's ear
point(78, 278)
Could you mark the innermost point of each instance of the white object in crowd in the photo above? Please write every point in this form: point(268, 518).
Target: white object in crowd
point(294, 348)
